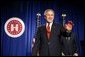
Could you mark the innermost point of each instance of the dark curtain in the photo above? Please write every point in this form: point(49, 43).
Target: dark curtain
point(27, 10)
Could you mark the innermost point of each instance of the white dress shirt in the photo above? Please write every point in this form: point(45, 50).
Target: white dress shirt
point(50, 25)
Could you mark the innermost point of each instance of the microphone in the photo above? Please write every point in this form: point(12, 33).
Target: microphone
point(38, 15)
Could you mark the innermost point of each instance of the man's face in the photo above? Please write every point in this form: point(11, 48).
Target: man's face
point(49, 16)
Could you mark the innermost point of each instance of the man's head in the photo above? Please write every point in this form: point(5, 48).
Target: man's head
point(49, 15)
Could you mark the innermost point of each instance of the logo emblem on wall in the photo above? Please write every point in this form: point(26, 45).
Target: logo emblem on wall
point(14, 27)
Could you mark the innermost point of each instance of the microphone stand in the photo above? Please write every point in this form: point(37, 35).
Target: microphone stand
point(63, 15)
point(67, 32)
point(38, 24)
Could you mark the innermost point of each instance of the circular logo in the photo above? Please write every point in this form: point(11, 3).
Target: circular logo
point(14, 27)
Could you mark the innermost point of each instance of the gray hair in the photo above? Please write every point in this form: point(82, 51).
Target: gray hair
point(45, 12)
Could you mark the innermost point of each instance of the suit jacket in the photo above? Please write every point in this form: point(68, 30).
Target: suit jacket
point(68, 42)
point(47, 47)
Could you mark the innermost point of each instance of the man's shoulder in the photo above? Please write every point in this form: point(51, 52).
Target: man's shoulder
point(41, 27)
point(57, 24)
point(74, 34)
point(54, 24)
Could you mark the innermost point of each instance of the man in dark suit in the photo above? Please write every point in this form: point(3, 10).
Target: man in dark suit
point(68, 41)
point(47, 41)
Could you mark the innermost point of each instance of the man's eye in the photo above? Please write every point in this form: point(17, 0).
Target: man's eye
point(52, 15)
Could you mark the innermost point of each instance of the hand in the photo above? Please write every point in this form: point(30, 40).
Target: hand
point(63, 54)
point(69, 26)
point(75, 54)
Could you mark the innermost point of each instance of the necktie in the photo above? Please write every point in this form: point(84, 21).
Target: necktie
point(48, 30)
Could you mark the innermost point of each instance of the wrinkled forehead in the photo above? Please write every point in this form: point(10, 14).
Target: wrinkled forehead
point(48, 11)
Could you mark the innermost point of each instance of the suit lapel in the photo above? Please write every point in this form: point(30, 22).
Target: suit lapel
point(45, 33)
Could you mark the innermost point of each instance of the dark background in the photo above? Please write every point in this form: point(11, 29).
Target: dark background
point(27, 10)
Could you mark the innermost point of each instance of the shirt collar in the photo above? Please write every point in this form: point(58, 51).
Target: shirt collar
point(50, 24)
